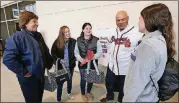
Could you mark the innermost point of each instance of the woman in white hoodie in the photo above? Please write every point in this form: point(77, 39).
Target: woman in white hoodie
point(150, 56)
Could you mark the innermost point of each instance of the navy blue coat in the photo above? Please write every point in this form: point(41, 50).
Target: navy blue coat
point(25, 53)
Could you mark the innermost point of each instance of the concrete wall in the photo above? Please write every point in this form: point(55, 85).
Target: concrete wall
point(101, 14)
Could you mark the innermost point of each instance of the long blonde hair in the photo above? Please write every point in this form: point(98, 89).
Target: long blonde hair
point(61, 37)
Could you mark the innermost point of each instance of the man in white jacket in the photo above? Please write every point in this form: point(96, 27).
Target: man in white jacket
point(123, 42)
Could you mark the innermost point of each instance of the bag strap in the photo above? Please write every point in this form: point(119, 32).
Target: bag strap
point(95, 65)
point(56, 65)
point(151, 75)
point(48, 73)
point(66, 70)
point(96, 68)
point(55, 71)
point(154, 84)
point(88, 66)
point(56, 68)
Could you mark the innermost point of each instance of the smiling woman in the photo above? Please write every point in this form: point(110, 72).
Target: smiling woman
point(28, 20)
point(63, 50)
point(85, 42)
point(10, 11)
point(27, 55)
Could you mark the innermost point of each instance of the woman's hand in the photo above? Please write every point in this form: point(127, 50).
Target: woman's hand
point(82, 60)
point(28, 75)
point(86, 60)
point(62, 61)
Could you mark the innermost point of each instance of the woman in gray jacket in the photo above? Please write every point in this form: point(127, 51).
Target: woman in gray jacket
point(150, 56)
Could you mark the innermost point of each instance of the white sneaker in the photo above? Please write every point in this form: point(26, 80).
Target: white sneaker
point(71, 96)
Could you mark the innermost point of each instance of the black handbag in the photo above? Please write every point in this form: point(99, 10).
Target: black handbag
point(63, 74)
point(94, 76)
point(169, 82)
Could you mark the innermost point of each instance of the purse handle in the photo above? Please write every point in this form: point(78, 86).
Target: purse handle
point(48, 73)
point(95, 65)
point(69, 75)
point(56, 66)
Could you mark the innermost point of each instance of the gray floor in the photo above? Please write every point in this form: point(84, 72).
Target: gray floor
point(10, 90)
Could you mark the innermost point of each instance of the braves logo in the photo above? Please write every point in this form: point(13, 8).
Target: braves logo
point(118, 41)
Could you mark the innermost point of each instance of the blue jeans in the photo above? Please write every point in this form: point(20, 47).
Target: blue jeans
point(32, 88)
point(83, 84)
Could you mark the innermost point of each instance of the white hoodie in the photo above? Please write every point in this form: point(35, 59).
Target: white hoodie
point(119, 55)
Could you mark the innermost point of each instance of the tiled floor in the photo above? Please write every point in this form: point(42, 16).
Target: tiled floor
point(10, 90)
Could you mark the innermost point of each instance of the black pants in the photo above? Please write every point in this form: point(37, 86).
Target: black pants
point(110, 82)
point(60, 87)
point(32, 88)
point(83, 84)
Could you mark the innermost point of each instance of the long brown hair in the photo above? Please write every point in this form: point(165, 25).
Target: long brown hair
point(158, 17)
point(61, 37)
